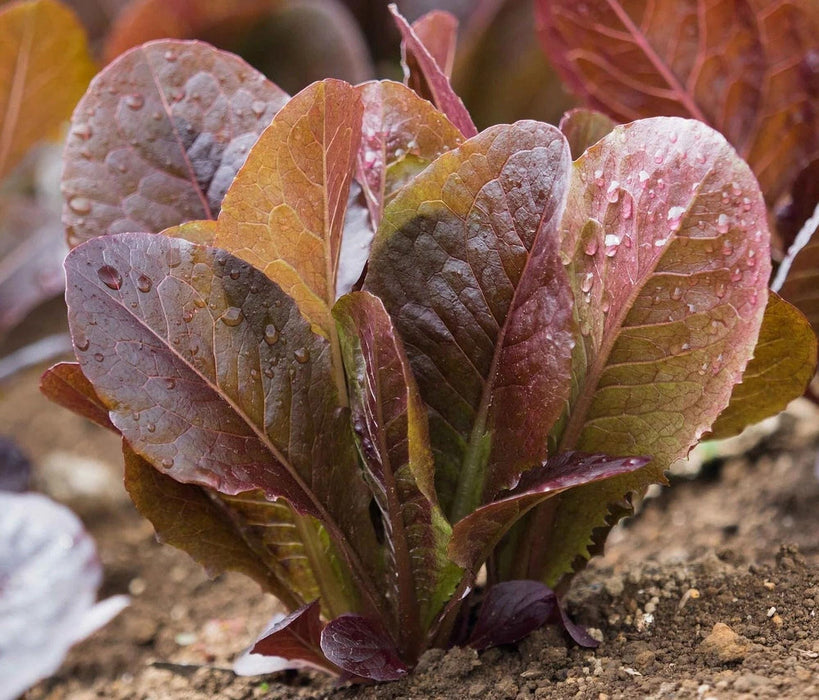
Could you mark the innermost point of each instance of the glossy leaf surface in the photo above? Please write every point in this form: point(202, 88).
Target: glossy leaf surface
point(390, 422)
point(402, 134)
point(747, 69)
point(363, 648)
point(66, 385)
point(667, 248)
point(429, 74)
point(284, 213)
point(783, 364)
point(475, 536)
point(213, 376)
point(296, 638)
point(45, 66)
point(159, 137)
point(465, 262)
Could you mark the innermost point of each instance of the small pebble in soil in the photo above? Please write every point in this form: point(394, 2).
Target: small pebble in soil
point(724, 646)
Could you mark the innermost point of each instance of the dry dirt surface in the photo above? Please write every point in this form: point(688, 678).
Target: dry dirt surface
point(710, 592)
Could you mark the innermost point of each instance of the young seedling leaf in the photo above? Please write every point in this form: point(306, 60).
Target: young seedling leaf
point(296, 638)
point(754, 79)
point(15, 469)
point(212, 375)
point(284, 213)
point(421, 68)
point(783, 364)
point(390, 423)
point(475, 536)
point(31, 258)
point(510, 611)
point(402, 134)
point(466, 263)
point(667, 248)
point(584, 128)
point(66, 385)
point(45, 66)
point(362, 647)
point(159, 137)
point(50, 574)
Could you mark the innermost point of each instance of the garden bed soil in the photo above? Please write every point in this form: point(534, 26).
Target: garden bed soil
point(711, 591)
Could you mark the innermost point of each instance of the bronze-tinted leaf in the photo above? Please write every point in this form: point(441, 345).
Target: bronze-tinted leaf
point(402, 134)
point(667, 248)
point(66, 385)
point(212, 375)
point(420, 68)
point(159, 137)
point(284, 213)
point(797, 278)
point(748, 69)
point(390, 422)
point(466, 263)
point(44, 68)
point(783, 364)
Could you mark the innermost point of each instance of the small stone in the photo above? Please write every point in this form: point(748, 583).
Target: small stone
point(777, 620)
point(644, 659)
point(770, 585)
point(724, 646)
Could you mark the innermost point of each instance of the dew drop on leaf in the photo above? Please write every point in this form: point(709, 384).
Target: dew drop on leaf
point(233, 316)
point(167, 462)
point(170, 384)
point(613, 192)
point(150, 427)
point(83, 131)
point(271, 334)
point(170, 56)
point(110, 277)
point(144, 283)
point(134, 101)
point(302, 355)
point(81, 343)
point(258, 107)
point(80, 205)
point(99, 357)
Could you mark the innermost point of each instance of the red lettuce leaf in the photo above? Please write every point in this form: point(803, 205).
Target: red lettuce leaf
point(66, 385)
point(438, 32)
point(584, 128)
point(475, 536)
point(431, 77)
point(296, 638)
point(159, 137)
point(212, 375)
point(390, 423)
point(402, 134)
point(466, 263)
point(747, 69)
point(362, 647)
point(667, 249)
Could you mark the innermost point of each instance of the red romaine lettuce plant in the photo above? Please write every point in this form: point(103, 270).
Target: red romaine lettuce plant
point(396, 350)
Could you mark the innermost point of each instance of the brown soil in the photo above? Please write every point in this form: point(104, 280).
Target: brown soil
point(736, 548)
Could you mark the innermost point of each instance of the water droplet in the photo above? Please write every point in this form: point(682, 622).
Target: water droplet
point(661, 184)
point(174, 257)
point(302, 355)
point(746, 204)
point(233, 316)
point(134, 101)
point(644, 176)
point(81, 343)
point(727, 248)
point(720, 290)
point(268, 373)
point(99, 357)
point(605, 303)
point(701, 158)
point(271, 334)
point(613, 192)
point(585, 327)
point(187, 315)
point(658, 157)
point(170, 56)
point(167, 462)
point(735, 189)
point(673, 137)
point(611, 239)
point(170, 384)
point(591, 246)
point(234, 274)
point(110, 277)
point(722, 223)
point(144, 283)
point(83, 131)
point(598, 178)
point(80, 205)
point(400, 152)
point(627, 208)
point(674, 217)
point(586, 283)
point(254, 374)
point(736, 275)
point(150, 427)
point(676, 294)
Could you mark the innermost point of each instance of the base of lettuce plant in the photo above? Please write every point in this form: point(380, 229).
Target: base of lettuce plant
point(398, 350)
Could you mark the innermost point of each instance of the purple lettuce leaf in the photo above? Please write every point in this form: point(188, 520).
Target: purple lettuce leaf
point(390, 423)
point(584, 128)
point(159, 137)
point(66, 385)
point(211, 374)
point(362, 647)
point(466, 263)
point(50, 575)
point(431, 76)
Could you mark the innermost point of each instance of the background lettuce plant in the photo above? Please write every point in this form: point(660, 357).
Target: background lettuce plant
point(357, 350)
